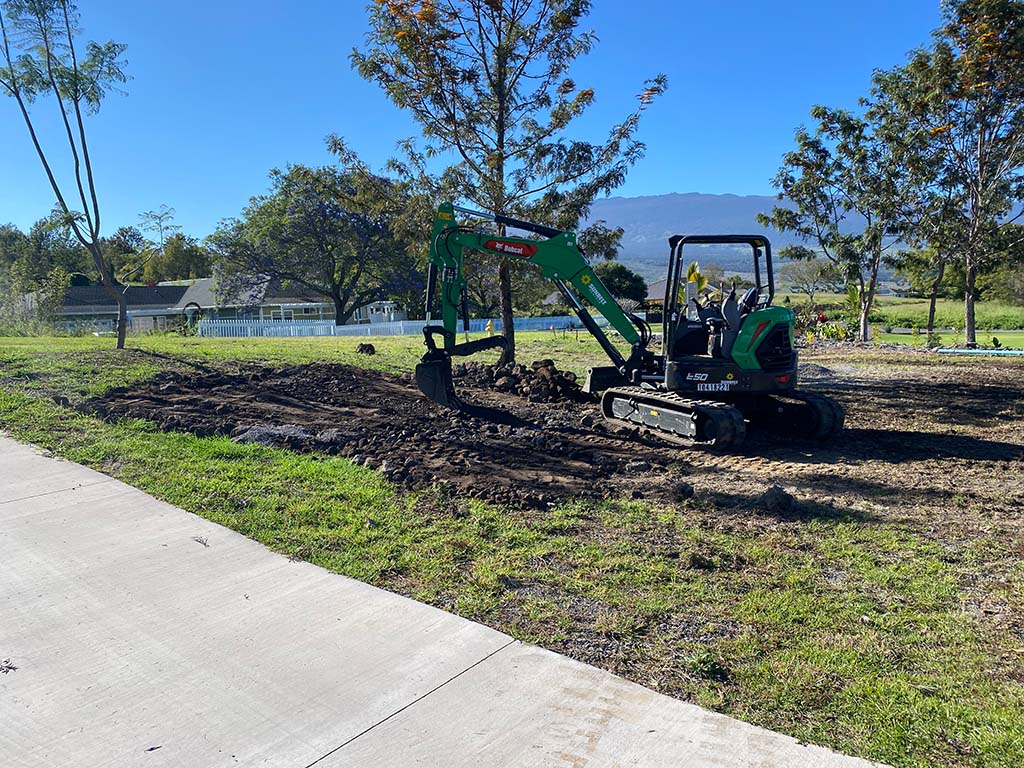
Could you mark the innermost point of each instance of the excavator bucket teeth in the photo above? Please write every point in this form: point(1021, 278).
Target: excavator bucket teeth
point(434, 378)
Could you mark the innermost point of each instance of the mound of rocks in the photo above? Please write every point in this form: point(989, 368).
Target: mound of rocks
point(540, 382)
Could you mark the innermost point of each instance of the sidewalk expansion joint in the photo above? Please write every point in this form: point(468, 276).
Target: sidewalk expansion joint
point(417, 700)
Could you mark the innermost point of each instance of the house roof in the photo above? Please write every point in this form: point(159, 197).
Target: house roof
point(201, 292)
point(656, 290)
point(174, 296)
point(82, 298)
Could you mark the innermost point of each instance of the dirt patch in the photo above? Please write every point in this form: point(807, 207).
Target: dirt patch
point(508, 447)
point(503, 448)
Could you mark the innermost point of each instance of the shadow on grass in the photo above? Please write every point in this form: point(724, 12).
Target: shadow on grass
point(968, 400)
point(892, 446)
point(764, 506)
point(177, 359)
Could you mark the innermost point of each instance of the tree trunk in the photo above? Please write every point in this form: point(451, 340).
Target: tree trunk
point(969, 333)
point(864, 331)
point(114, 290)
point(340, 318)
point(508, 329)
point(933, 298)
point(867, 298)
point(122, 318)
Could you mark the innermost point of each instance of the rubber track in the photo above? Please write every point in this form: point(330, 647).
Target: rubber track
point(731, 427)
point(830, 416)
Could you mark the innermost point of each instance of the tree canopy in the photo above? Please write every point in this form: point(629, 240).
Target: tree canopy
point(489, 83)
point(321, 230)
point(961, 101)
point(622, 282)
point(846, 182)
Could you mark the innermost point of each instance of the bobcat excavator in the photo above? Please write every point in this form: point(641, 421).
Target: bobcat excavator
point(721, 366)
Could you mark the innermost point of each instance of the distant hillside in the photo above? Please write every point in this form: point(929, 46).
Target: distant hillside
point(649, 221)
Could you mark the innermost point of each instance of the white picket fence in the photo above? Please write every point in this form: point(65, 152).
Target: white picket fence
point(237, 329)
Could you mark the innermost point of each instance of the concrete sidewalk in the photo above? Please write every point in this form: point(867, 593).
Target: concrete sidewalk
point(138, 634)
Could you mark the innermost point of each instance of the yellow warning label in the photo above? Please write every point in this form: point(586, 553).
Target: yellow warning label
point(445, 216)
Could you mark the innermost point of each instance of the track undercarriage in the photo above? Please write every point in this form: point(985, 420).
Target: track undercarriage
point(724, 423)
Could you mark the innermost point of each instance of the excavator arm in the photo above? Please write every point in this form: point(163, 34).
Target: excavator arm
point(560, 260)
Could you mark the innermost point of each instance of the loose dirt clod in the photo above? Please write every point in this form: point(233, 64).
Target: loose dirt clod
point(541, 382)
point(777, 501)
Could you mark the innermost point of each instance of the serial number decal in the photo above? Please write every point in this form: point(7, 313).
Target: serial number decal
point(718, 386)
point(522, 250)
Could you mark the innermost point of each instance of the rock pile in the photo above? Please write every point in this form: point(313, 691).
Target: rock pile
point(540, 382)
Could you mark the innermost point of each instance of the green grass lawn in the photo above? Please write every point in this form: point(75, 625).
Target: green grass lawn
point(839, 628)
point(899, 312)
point(1010, 339)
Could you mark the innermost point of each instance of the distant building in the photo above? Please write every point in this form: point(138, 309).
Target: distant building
point(167, 305)
point(656, 293)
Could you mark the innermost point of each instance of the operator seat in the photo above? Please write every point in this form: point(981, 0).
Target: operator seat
point(749, 302)
point(732, 314)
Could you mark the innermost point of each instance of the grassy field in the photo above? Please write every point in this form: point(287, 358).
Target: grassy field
point(859, 623)
point(1010, 339)
point(899, 312)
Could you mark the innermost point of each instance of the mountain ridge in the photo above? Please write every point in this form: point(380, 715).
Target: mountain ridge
point(649, 220)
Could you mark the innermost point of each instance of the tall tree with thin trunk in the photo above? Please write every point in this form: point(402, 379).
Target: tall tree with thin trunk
point(488, 82)
point(965, 93)
point(845, 184)
point(161, 223)
point(40, 58)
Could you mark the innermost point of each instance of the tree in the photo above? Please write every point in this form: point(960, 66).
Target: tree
point(159, 222)
point(13, 246)
point(40, 58)
point(181, 258)
point(489, 82)
point(316, 230)
point(809, 275)
point(714, 274)
point(26, 294)
point(123, 248)
point(50, 294)
point(845, 183)
point(621, 281)
point(965, 95)
point(599, 241)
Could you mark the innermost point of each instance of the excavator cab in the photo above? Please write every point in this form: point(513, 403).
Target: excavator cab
point(731, 344)
point(688, 318)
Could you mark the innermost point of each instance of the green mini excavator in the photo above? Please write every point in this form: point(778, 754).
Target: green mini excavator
point(723, 364)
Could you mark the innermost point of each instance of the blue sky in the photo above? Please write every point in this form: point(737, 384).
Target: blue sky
point(224, 90)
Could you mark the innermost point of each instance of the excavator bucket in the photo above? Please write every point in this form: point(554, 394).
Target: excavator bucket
point(434, 378)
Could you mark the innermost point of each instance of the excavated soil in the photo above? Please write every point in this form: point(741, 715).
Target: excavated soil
point(509, 448)
point(502, 447)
